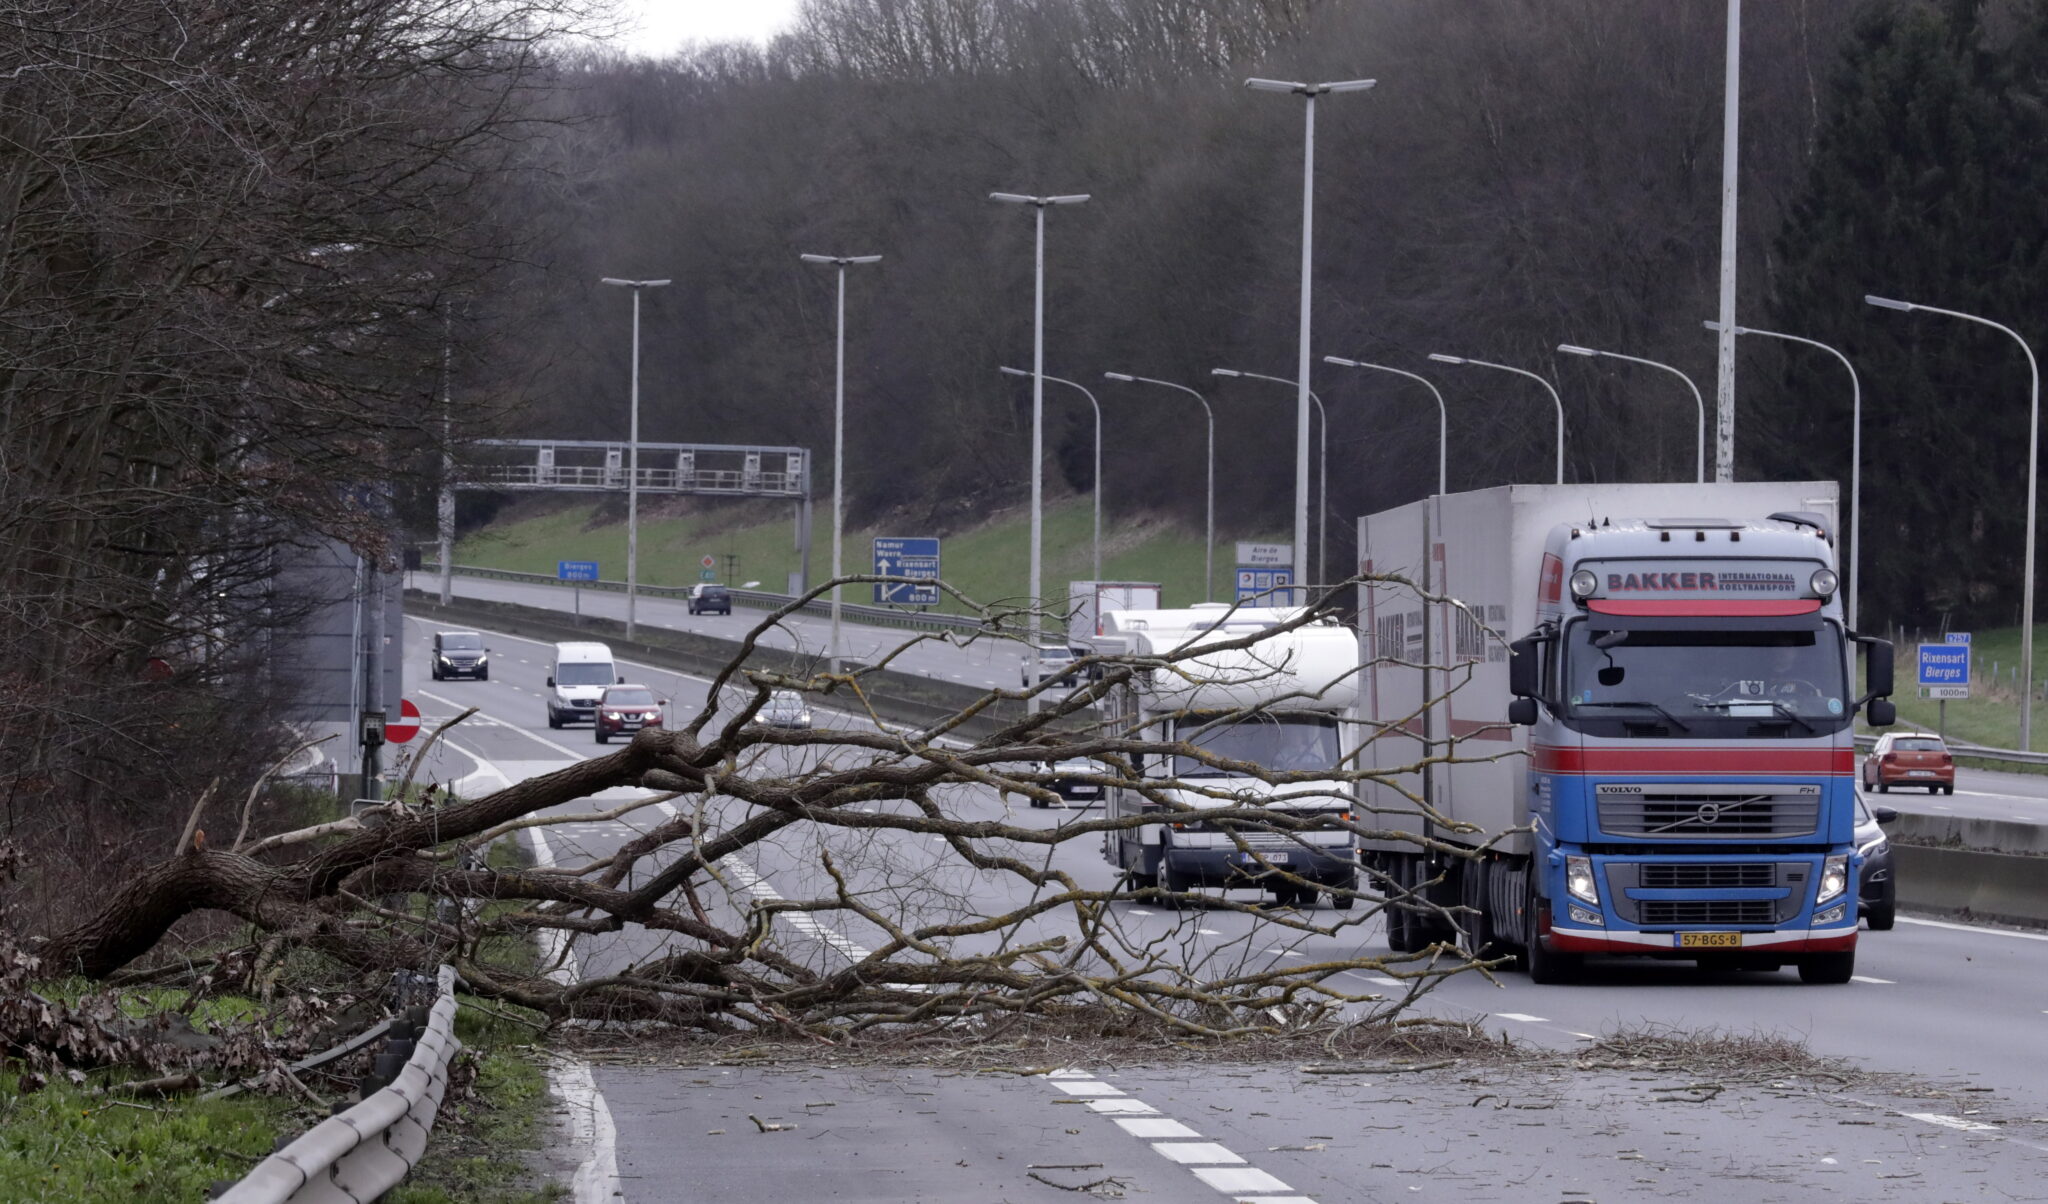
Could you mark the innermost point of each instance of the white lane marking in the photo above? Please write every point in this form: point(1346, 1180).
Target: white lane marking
point(1207, 932)
point(536, 737)
point(1584, 1036)
point(1239, 1179)
point(2024, 936)
point(1126, 1106)
point(1212, 1162)
point(1197, 1153)
point(1072, 1087)
point(1883, 982)
point(1949, 1122)
point(1524, 1017)
point(591, 1132)
point(1150, 1126)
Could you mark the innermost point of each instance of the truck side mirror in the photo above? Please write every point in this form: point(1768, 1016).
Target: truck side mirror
point(1877, 667)
point(1522, 712)
point(1525, 668)
point(1881, 713)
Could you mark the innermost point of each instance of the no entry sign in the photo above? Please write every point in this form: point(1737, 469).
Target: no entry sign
point(408, 724)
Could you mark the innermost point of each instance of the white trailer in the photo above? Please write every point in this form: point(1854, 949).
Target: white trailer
point(1278, 704)
point(1089, 601)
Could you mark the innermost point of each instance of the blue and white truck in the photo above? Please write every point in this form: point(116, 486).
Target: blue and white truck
point(1634, 734)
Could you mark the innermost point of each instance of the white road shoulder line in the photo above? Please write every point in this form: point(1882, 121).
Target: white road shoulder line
point(2024, 936)
point(1883, 982)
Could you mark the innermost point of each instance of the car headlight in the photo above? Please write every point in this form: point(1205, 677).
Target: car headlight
point(443, 658)
point(1877, 845)
point(613, 715)
point(481, 658)
point(804, 718)
point(1579, 880)
point(1834, 878)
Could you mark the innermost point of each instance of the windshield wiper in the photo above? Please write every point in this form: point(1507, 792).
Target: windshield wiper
point(1682, 725)
point(1782, 709)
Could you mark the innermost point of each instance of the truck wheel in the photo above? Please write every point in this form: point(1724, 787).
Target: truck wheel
point(1549, 967)
point(1404, 926)
point(1827, 968)
point(1338, 898)
point(1176, 881)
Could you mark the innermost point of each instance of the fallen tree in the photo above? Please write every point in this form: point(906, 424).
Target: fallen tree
point(891, 830)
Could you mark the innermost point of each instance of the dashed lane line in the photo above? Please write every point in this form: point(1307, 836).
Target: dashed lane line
point(1524, 1017)
point(1882, 982)
point(1214, 1163)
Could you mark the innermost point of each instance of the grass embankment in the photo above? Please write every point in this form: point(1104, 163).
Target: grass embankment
point(988, 562)
point(1991, 715)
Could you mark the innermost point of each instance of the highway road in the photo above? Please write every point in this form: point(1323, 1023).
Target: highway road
point(1931, 998)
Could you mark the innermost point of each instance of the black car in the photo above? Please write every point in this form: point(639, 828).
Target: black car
point(1877, 892)
point(460, 654)
point(710, 600)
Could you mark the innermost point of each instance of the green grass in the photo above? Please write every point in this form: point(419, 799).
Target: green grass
point(63, 1144)
point(988, 562)
point(478, 1154)
point(1991, 715)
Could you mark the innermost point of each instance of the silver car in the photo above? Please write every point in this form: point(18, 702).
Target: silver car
point(786, 708)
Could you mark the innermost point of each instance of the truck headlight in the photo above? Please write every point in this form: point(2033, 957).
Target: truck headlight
point(1584, 582)
point(1825, 582)
point(1834, 878)
point(1579, 880)
point(1832, 915)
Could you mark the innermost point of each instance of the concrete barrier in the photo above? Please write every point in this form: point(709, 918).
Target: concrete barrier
point(1963, 832)
point(2006, 887)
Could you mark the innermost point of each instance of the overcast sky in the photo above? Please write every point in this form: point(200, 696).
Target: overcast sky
point(666, 24)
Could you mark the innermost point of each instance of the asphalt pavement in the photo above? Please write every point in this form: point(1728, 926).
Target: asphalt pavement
point(1931, 998)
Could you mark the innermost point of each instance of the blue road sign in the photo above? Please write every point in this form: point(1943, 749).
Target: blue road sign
point(907, 558)
point(576, 570)
point(1957, 637)
point(1944, 670)
point(1257, 586)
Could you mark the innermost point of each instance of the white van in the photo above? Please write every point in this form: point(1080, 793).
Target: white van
point(576, 680)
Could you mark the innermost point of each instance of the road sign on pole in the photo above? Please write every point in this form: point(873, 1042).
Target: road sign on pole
point(916, 557)
point(707, 562)
point(408, 724)
point(576, 570)
point(1944, 669)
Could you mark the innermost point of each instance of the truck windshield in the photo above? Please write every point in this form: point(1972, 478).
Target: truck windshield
point(1278, 742)
point(1794, 677)
point(583, 673)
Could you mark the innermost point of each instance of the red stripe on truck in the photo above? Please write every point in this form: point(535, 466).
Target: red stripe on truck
point(1715, 607)
point(1695, 760)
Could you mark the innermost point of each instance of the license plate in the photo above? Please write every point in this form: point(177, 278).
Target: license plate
point(1710, 940)
point(1268, 858)
point(1920, 773)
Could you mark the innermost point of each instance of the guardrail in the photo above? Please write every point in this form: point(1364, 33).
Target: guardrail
point(851, 612)
point(360, 1154)
point(1983, 752)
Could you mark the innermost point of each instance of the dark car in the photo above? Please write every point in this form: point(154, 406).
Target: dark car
point(710, 600)
point(1877, 892)
point(460, 654)
point(1910, 759)
point(623, 710)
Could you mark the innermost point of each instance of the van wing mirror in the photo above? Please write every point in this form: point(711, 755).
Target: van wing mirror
point(551, 683)
point(621, 681)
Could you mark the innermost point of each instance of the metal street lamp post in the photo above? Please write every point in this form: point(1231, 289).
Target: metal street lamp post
point(839, 262)
point(1443, 415)
point(1209, 535)
point(1307, 92)
point(1855, 455)
point(1699, 455)
point(1040, 204)
point(1547, 386)
point(633, 456)
point(1098, 455)
point(2033, 466)
point(1322, 467)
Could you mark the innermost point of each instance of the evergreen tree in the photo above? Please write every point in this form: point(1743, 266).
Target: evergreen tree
point(1924, 186)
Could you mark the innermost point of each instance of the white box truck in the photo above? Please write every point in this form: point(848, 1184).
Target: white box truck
point(1640, 720)
point(1089, 601)
point(1277, 704)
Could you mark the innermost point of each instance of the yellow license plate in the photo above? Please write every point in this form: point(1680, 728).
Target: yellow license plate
point(1710, 940)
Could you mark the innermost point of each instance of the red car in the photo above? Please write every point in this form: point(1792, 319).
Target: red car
point(1910, 759)
point(624, 710)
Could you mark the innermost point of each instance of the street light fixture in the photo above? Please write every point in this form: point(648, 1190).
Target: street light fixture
point(633, 454)
point(2033, 466)
point(1098, 455)
point(1209, 534)
point(1308, 92)
point(1323, 457)
point(1699, 455)
point(1040, 204)
point(1855, 455)
point(1547, 386)
point(1443, 415)
point(839, 262)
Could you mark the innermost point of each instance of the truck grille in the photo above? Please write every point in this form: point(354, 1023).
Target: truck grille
point(1659, 875)
point(1657, 912)
point(1709, 811)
